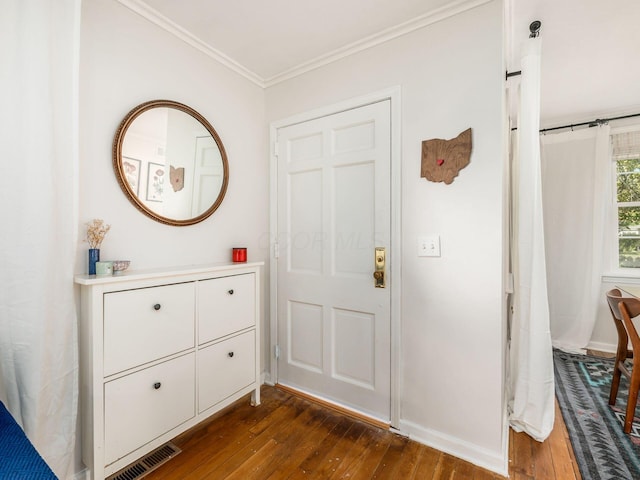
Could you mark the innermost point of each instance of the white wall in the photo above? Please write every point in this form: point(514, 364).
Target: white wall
point(605, 337)
point(126, 60)
point(451, 75)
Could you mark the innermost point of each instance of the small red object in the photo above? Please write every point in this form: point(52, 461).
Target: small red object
point(239, 254)
point(440, 161)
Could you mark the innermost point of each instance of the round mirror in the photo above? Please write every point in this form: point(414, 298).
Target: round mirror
point(170, 162)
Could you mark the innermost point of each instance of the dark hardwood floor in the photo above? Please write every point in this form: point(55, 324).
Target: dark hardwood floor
point(552, 459)
point(289, 437)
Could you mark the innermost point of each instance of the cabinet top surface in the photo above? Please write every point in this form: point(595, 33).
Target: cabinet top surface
point(144, 274)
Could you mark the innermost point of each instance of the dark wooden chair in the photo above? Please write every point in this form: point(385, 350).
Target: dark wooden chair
point(623, 309)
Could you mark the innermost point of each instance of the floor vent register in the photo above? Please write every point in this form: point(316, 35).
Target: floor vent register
point(147, 464)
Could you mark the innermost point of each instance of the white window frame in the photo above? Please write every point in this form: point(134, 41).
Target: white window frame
point(618, 273)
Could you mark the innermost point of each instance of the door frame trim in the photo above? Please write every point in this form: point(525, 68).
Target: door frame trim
point(393, 94)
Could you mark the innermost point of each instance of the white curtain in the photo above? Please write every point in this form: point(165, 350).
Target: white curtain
point(576, 185)
point(39, 52)
point(531, 383)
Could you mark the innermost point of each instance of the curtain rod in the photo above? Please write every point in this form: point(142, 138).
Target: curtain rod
point(592, 123)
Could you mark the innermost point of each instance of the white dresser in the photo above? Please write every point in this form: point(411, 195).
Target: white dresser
point(161, 350)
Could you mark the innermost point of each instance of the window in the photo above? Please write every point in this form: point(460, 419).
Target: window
point(626, 155)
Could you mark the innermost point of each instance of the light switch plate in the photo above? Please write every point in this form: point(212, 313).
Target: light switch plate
point(429, 246)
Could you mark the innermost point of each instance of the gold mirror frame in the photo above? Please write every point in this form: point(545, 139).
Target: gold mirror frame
point(121, 174)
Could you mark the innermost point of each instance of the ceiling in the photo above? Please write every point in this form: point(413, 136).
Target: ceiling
point(590, 53)
point(590, 62)
point(275, 39)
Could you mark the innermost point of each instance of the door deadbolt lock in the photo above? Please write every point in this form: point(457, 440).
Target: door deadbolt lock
point(380, 265)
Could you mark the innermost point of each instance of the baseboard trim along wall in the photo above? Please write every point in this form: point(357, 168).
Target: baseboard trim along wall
point(603, 347)
point(454, 446)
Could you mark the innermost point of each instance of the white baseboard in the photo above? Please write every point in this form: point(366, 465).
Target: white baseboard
point(479, 456)
point(81, 475)
point(603, 347)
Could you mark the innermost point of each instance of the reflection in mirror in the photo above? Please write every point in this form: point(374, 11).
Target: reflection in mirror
point(170, 162)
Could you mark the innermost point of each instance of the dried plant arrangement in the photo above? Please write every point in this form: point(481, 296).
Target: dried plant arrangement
point(96, 230)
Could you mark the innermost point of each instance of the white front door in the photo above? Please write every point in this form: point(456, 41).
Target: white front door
point(333, 211)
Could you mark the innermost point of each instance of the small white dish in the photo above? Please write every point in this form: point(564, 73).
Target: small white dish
point(120, 266)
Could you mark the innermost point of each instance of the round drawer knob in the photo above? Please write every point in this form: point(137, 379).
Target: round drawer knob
point(230, 292)
point(230, 354)
point(157, 385)
point(157, 306)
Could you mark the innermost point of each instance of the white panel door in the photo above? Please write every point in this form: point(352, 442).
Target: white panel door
point(333, 211)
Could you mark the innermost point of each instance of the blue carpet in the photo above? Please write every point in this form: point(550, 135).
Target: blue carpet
point(19, 460)
point(603, 451)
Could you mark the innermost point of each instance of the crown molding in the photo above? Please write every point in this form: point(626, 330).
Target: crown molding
point(383, 36)
point(429, 18)
point(145, 11)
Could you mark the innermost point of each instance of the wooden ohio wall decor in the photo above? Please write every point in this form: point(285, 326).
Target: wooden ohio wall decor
point(442, 160)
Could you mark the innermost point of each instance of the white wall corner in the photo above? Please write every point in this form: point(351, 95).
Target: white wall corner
point(266, 379)
point(497, 462)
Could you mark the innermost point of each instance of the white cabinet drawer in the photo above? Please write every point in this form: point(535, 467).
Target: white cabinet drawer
point(144, 405)
point(146, 324)
point(225, 368)
point(225, 305)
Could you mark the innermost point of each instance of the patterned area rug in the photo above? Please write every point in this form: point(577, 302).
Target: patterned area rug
point(602, 449)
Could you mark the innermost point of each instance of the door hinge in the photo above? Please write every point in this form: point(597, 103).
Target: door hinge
point(275, 149)
point(276, 250)
point(276, 351)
